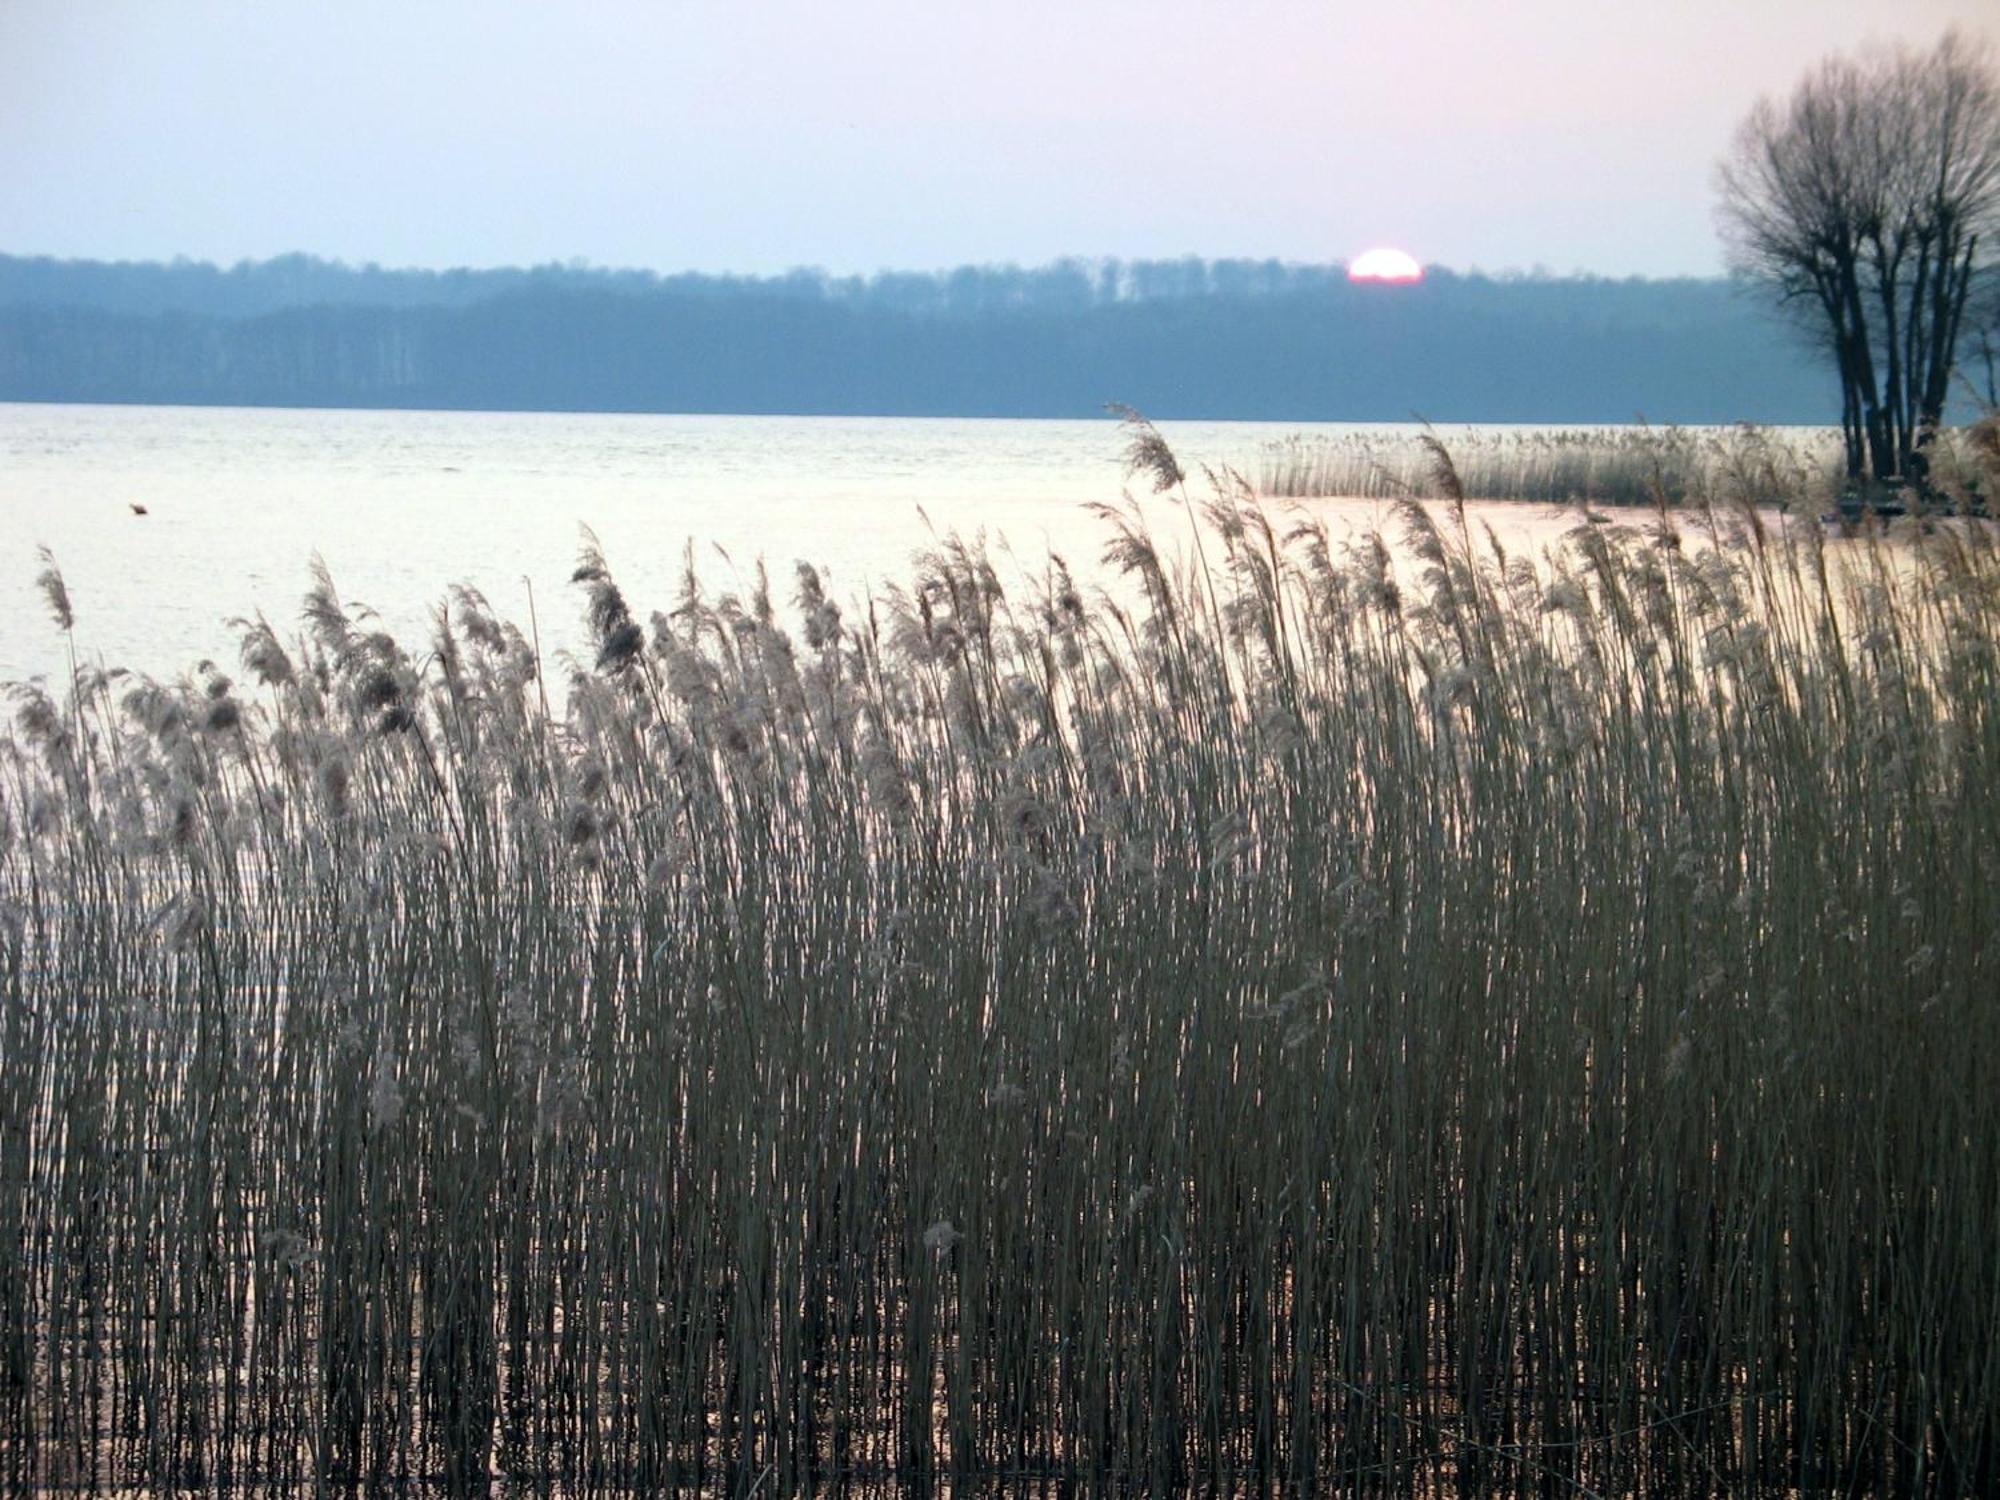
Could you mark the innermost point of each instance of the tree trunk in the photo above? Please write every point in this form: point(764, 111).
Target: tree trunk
point(1852, 433)
point(1916, 338)
point(1896, 426)
point(1861, 366)
point(1954, 282)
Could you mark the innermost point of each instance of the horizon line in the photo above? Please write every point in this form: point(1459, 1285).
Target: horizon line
point(585, 265)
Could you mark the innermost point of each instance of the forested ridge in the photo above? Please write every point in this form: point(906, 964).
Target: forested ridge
point(1186, 338)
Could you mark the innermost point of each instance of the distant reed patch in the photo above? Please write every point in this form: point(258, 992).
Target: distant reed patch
point(1623, 466)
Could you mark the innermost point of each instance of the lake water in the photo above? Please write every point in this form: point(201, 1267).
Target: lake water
point(404, 504)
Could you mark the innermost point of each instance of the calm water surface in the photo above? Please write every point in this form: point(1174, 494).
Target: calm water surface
point(404, 504)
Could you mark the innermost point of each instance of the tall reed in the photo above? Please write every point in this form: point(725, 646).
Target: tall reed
point(1382, 1017)
point(1743, 465)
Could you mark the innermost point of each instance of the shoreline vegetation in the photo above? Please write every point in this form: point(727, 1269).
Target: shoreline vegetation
point(1725, 468)
point(1257, 340)
point(1390, 1016)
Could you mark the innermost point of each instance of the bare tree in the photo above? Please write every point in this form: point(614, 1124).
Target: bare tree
point(1868, 201)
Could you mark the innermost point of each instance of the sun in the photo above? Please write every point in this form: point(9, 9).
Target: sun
point(1385, 264)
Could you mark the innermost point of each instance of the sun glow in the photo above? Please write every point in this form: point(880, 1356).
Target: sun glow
point(1385, 264)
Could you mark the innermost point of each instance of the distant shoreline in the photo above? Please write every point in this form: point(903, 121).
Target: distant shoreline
point(1105, 416)
point(1216, 341)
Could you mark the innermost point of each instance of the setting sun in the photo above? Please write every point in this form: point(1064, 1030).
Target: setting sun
point(1385, 264)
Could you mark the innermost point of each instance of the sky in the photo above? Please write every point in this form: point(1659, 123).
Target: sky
point(759, 135)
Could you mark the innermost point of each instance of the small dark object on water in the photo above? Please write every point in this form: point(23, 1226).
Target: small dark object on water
point(137, 508)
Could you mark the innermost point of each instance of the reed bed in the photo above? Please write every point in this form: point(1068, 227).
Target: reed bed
point(1621, 466)
point(1528, 1028)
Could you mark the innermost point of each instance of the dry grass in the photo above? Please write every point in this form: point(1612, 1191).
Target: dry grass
point(1604, 466)
point(1531, 1030)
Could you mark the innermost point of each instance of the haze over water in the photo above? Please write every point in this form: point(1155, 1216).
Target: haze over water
point(403, 505)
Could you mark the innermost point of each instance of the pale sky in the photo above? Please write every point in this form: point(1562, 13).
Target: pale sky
point(872, 134)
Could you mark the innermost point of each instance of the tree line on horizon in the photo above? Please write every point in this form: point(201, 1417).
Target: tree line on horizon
point(1178, 338)
point(249, 287)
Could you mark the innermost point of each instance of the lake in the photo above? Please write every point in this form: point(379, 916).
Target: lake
point(403, 504)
